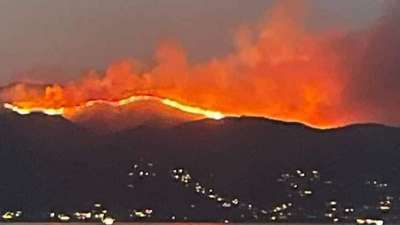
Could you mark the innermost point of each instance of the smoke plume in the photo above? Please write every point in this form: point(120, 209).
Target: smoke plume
point(279, 69)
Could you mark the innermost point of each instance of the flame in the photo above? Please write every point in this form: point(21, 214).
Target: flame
point(26, 111)
point(122, 102)
point(278, 70)
point(194, 110)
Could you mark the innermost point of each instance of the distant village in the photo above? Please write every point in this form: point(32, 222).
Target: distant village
point(300, 186)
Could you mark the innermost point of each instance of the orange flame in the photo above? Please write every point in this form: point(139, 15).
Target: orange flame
point(132, 99)
point(279, 70)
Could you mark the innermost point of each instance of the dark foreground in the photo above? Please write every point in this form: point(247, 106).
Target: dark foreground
point(232, 170)
point(119, 223)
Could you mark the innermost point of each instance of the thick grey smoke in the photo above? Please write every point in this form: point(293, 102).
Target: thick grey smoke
point(42, 39)
point(339, 78)
point(373, 61)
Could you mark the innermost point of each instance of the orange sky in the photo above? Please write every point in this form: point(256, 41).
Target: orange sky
point(278, 69)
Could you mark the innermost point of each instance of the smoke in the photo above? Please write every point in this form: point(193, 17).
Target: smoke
point(375, 70)
point(279, 69)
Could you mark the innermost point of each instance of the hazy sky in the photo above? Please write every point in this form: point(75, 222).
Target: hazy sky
point(46, 38)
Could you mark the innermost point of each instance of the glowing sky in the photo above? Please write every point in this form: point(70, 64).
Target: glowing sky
point(55, 40)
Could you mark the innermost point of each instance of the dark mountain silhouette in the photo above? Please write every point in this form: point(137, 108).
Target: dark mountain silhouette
point(48, 163)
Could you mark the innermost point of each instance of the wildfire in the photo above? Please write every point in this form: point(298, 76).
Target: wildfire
point(194, 110)
point(118, 103)
point(26, 111)
point(278, 70)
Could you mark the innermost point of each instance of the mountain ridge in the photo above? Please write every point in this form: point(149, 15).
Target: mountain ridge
point(69, 167)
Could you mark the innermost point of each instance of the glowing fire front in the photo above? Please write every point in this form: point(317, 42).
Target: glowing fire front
point(278, 69)
point(26, 111)
point(206, 113)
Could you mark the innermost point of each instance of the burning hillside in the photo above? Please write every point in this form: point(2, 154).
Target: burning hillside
point(24, 108)
point(279, 70)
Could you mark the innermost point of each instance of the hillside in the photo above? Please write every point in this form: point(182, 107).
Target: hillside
point(172, 169)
